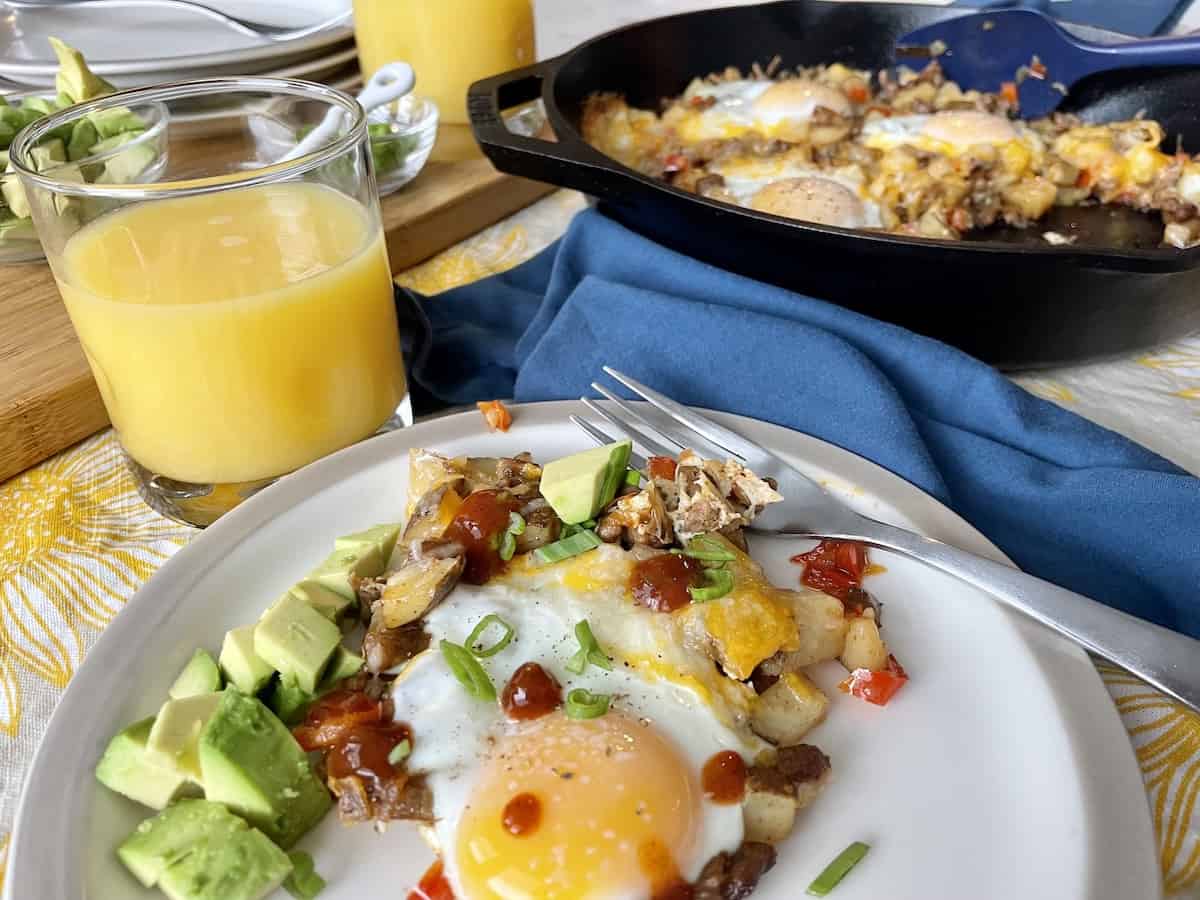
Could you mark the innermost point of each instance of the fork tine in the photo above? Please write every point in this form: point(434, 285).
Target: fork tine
point(637, 435)
point(689, 441)
point(601, 438)
point(719, 435)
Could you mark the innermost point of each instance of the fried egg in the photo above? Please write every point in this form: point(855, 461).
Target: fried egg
point(619, 796)
point(785, 187)
point(730, 109)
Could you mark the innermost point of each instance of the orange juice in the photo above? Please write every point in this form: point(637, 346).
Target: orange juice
point(240, 334)
point(449, 44)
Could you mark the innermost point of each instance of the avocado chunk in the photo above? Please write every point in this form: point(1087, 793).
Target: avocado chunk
point(83, 138)
point(295, 639)
point(288, 700)
point(128, 165)
point(247, 671)
point(382, 536)
point(252, 764)
point(199, 676)
point(74, 78)
point(342, 569)
point(116, 120)
point(343, 664)
point(128, 769)
point(330, 604)
point(199, 850)
point(172, 740)
point(579, 486)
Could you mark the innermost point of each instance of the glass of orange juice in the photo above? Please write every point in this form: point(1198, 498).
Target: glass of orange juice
point(450, 44)
point(229, 284)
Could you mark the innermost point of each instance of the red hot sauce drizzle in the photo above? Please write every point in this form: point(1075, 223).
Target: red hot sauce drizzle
point(479, 526)
point(531, 693)
point(522, 815)
point(433, 885)
point(661, 582)
point(723, 778)
point(358, 734)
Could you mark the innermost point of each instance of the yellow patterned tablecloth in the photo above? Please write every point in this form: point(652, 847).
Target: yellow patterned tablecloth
point(76, 542)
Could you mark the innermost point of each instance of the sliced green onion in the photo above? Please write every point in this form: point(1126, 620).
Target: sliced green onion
point(468, 671)
point(708, 549)
point(838, 869)
point(303, 883)
point(573, 545)
point(400, 752)
point(474, 637)
point(588, 524)
point(583, 704)
point(516, 523)
point(508, 546)
point(633, 477)
point(719, 583)
point(589, 651)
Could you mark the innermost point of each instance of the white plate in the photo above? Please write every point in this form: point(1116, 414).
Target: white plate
point(124, 41)
point(1000, 772)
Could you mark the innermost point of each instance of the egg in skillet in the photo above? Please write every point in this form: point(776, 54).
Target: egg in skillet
point(571, 803)
point(730, 109)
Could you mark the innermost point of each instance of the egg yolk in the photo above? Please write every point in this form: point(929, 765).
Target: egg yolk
point(604, 796)
point(962, 129)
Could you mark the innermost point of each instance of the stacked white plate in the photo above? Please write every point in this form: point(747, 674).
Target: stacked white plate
point(134, 44)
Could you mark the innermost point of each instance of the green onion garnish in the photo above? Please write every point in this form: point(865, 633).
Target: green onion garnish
point(474, 637)
point(303, 883)
point(589, 651)
point(516, 524)
point(468, 671)
point(837, 870)
point(633, 477)
point(573, 545)
point(588, 523)
point(583, 704)
point(400, 752)
point(719, 583)
point(508, 546)
point(708, 549)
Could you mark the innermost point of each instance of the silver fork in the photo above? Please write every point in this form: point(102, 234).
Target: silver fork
point(1161, 657)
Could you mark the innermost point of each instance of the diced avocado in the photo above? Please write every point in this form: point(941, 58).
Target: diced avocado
point(14, 196)
point(177, 727)
point(330, 604)
point(199, 850)
point(42, 106)
point(17, 230)
point(74, 78)
point(49, 154)
point(242, 666)
point(579, 486)
point(128, 165)
point(127, 769)
point(252, 764)
point(12, 117)
point(382, 536)
point(288, 700)
point(304, 883)
point(343, 664)
point(116, 120)
point(295, 639)
point(83, 137)
point(343, 567)
point(199, 676)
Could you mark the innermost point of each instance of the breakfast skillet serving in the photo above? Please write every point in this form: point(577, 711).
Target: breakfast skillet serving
point(1016, 304)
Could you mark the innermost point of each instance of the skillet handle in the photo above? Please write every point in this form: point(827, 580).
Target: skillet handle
point(564, 160)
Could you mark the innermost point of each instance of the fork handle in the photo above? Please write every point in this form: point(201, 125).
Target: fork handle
point(1163, 658)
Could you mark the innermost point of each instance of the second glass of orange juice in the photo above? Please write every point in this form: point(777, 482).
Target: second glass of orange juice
point(235, 305)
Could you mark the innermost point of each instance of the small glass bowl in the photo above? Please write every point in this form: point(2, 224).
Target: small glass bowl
point(19, 243)
point(402, 137)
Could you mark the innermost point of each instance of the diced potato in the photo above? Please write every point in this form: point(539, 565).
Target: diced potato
point(768, 815)
point(412, 591)
point(864, 647)
point(1031, 197)
point(820, 625)
point(788, 709)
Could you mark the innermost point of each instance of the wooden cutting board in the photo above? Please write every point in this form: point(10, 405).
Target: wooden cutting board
point(48, 399)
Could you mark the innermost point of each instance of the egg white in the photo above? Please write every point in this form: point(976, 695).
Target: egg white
point(452, 731)
point(746, 176)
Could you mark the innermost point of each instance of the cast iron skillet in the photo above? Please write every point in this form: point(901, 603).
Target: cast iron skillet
point(1010, 299)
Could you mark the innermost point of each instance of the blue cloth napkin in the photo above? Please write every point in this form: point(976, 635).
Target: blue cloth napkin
point(1141, 17)
point(1068, 500)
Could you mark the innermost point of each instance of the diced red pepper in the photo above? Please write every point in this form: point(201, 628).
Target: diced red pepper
point(1084, 178)
point(675, 162)
point(1008, 90)
point(661, 467)
point(834, 567)
point(433, 885)
point(857, 92)
point(1038, 68)
point(876, 687)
